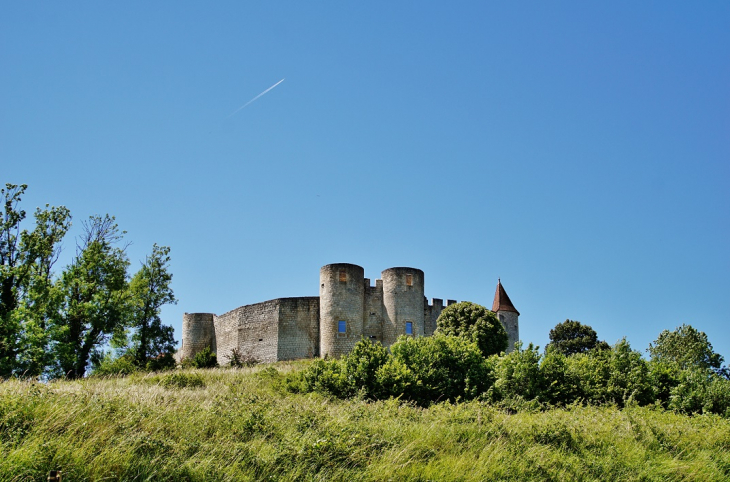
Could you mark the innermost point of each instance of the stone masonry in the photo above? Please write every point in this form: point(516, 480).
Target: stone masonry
point(347, 309)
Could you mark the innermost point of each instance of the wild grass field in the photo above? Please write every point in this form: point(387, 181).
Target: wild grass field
point(242, 424)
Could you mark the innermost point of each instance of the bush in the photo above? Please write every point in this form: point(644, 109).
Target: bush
point(180, 380)
point(163, 361)
point(518, 375)
point(561, 386)
point(110, 366)
point(422, 370)
point(612, 376)
point(205, 358)
point(239, 360)
point(701, 391)
point(476, 323)
point(438, 368)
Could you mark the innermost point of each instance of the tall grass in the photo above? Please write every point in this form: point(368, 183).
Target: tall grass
point(242, 425)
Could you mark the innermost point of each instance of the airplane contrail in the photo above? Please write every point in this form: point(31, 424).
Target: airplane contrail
point(262, 93)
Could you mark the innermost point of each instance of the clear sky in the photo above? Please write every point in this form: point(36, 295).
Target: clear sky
point(578, 150)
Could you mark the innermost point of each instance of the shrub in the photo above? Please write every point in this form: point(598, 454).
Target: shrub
point(110, 366)
point(324, 376)
point(701, 391)
point(181, 380)
point(422, 370)
point(612, 376)
point(163, 361)
point(560, 385)
point(663, 378)
point(518, 375)
point(439, 367)
point(239, 360)
point(205, 358)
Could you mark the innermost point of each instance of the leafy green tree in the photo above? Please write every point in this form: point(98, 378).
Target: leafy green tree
point(571, 337)
point(150, 290)
point(40, 298)
point(686, 347)
point(27, 295)
point(94, 304)
point(11, 276)
point(476, 323)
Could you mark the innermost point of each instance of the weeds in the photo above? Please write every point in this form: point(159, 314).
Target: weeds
point(240, 424)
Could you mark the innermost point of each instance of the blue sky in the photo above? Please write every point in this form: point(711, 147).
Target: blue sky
point(581, 152)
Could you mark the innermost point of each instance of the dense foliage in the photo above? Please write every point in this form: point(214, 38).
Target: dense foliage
point(58, 324)
point(686, 347)
point(570, 337)
point(433, 369)
point(205, 358)
point(476, 323)
point(422, 370)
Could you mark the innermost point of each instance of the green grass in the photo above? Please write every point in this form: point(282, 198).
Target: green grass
point(241, 424)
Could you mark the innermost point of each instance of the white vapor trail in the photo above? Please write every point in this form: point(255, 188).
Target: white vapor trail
point(262, 93)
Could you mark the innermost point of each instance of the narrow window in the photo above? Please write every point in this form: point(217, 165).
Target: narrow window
point(342, 327)
point(409, 280)
point(409, 328)
point(343, 276)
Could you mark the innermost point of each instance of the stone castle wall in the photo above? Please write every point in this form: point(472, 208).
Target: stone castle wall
point(372, 323)
point(252, 329)
point(346, 310)
point(298, 328)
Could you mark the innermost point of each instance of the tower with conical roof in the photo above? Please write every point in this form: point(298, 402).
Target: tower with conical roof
point(507, 314)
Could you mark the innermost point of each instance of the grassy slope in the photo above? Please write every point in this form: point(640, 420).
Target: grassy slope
point(242, 426)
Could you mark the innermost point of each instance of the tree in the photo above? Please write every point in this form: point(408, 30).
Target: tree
point(94, 297)
point(26, 288)
point(476, 323)
point(685, 347)
point(570, 337)
point(11, 275)
point(40, 297)
point(149, 291)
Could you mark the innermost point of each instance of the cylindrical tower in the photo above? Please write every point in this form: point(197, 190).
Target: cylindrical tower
point(341, 305)
point(198, 332)
point(402, 303)
point(510, 321)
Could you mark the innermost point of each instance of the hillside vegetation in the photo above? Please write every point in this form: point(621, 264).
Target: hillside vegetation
point(244, 424)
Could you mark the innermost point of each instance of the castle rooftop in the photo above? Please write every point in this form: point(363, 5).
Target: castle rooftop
point(502, 301)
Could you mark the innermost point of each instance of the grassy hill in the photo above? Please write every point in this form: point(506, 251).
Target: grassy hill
point(228, 424)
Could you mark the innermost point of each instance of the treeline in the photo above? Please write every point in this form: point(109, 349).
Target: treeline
point(59, 324)
point(683, 373)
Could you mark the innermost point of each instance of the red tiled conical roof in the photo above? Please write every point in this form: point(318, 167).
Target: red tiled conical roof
point(502, 301)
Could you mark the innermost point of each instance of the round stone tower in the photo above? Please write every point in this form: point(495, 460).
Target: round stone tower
point(341, 305)
point(508, 315)
point(198, 332)
point(403, 303)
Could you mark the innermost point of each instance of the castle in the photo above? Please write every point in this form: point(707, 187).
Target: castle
point(347, 309)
